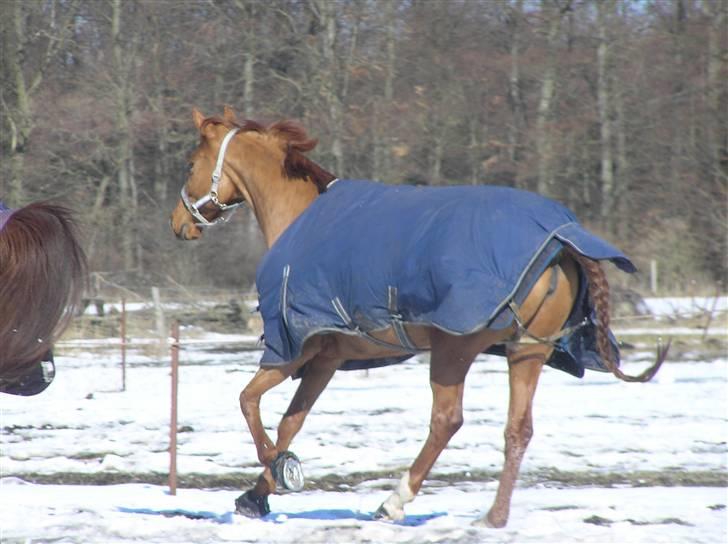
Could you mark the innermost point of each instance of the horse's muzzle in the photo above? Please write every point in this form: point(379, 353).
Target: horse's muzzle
point(184, 229)
point(33, 381)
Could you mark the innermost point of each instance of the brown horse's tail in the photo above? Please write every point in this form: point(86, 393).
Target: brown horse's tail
point(599, 293)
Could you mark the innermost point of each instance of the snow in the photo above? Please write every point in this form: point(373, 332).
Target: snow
point(685, 306)
point(136, 512)
point(84, 423)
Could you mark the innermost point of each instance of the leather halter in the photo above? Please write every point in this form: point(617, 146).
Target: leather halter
point(212, 196)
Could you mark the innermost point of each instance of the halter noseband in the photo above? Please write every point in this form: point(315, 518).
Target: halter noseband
point(211, 196)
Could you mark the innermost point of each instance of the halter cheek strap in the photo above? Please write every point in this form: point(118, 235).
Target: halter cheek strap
point(217, 172)
point(5, 214)
point(211, 196)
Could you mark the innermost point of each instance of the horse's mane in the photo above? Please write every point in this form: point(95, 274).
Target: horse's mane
point(42, 275)
point(296, 164)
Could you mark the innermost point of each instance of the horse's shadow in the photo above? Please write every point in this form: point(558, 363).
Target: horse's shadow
point(282, 517)
point(343, 514)
point(227, 517)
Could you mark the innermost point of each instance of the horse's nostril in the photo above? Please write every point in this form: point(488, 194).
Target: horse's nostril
point(182, 234)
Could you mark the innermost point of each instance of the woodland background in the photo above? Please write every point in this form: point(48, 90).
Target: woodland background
point(618, 108)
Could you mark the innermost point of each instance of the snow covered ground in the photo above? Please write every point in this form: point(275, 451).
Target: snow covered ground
point(587, 432)
point(685, 306)
point(143, 513)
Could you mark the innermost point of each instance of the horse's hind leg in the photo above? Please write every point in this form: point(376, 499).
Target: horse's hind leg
point(450, 361)
point(523, 372)
point(525, 362)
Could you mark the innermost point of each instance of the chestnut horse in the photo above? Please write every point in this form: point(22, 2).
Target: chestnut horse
point(267, 169)
point(42, 275)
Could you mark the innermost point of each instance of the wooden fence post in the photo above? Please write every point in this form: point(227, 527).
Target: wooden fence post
point(159, 318)
point(173, 418)
point(123, 343)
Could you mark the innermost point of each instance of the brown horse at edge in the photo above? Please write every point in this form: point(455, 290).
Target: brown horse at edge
point(43, 272)
point(266, 168)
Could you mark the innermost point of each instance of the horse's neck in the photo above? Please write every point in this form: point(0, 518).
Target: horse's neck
point(276, 200)
point(279, 202)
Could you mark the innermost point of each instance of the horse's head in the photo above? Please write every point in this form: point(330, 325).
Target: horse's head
point(209, 196)
point(235, 163)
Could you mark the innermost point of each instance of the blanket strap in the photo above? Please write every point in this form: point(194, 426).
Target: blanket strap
point(339, 307)
point(522, 334)
point(397, 321)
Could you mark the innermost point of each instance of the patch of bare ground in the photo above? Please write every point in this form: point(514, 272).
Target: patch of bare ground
point(331, 482)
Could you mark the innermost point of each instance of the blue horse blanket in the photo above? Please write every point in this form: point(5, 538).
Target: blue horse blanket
point(364, 254)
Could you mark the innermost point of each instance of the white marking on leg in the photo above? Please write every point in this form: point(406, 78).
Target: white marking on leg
point(399, 497)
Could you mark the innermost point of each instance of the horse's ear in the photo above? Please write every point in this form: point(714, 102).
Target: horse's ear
point(197, 117)
point(229, 114)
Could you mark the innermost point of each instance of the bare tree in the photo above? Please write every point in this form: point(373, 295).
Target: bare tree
point(553, 13)
point(32, 34)
point(605, 15)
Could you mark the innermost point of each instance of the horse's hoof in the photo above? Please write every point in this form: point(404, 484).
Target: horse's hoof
point(252, 506)
point(387, 514)
point(488, 523)
point(287, 471)
point(483, 522)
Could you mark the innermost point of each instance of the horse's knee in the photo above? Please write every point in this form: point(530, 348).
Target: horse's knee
point(247, 402)
point(446, 422)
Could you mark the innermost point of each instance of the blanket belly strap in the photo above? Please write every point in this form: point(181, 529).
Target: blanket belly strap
point(397, 321)
point(397, 324)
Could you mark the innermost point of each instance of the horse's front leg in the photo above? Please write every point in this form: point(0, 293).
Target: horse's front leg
point(318, 373)
point(316, 377)
point(254, 503)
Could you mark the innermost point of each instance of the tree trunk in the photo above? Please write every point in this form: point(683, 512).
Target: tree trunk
point(677, 151)
point(515, 95)
point(548, 85)
point(122, 66)
point(717, 90)
point(330, 71)
point(157, 103)
point(474, 149)
point(19, 115)
point(382, 153)
point(622, 209)
point(438, 149)
point(250, 39)
point(25, 53)
point(604, 12)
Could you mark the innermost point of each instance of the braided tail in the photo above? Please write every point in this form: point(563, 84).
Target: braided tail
point(599, 293)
